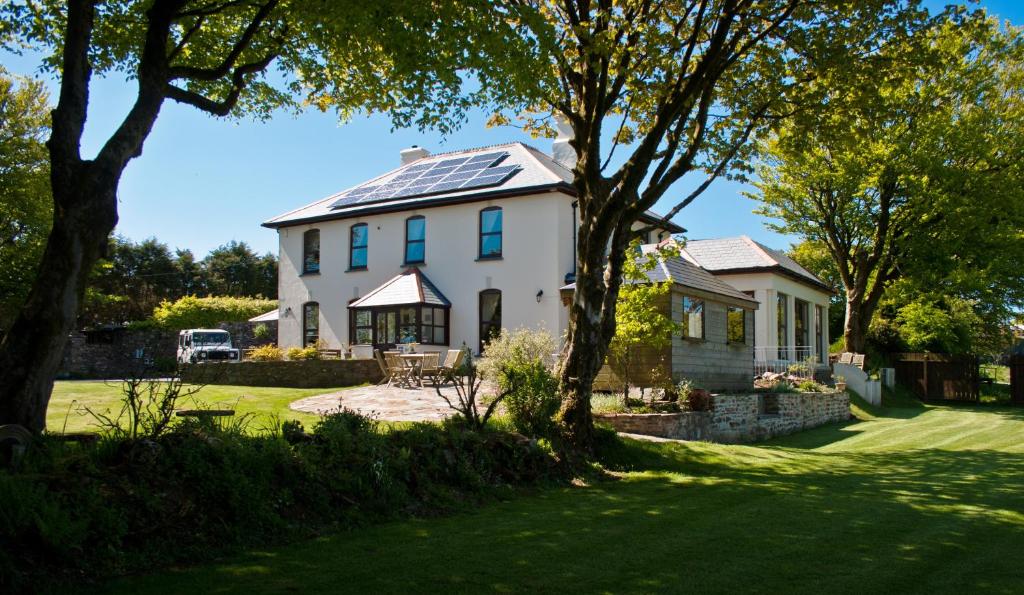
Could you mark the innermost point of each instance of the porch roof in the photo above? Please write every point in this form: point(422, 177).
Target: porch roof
point(408, 288)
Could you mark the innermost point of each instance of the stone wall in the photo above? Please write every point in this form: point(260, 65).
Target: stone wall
point(739, 418)
point(118, 352)
point(287, 374)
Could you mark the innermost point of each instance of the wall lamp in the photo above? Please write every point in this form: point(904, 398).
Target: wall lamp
point(287, 312)
point(540, 294)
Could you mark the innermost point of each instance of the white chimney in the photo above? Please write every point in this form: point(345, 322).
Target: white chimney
point(412, 154)
point(561, 150)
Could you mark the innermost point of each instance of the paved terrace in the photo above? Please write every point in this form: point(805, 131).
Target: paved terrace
point(385, 403)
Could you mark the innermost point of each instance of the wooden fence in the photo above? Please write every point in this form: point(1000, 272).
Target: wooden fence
point(937, 377)
point(1017, 379)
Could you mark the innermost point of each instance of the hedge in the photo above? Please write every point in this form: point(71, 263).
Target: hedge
point(208, 312)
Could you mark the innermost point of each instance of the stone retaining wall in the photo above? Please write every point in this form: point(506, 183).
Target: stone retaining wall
point(286, 374)
point(739, 418)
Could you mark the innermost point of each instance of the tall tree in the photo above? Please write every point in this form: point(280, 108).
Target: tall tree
point(911, 170)
point(682, 86)
point(25, 208)
point(389, 55)
point(234, 269)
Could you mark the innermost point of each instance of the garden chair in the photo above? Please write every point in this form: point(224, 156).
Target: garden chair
point(384, 370)
point(858, 361)
point(452, 362)
point(845, 358)
point(430, 367)
point(397, 370)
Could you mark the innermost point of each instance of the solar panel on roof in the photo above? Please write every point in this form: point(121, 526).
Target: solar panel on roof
point(462, 173)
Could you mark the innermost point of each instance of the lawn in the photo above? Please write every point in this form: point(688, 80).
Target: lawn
point(263, 403)
point(907, 499)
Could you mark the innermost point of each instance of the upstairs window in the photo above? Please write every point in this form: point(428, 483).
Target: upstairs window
point(490, 232)
point(358, 241)
point(415, 239)
point(737, 331)
point(310, 324)
point(311, 251)
point(693, 318)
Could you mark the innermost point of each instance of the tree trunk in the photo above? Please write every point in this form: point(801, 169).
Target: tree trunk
point(85, 212)
point(591, 325)
point(855, 326)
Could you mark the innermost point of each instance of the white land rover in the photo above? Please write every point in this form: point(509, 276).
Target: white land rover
point(206, 345)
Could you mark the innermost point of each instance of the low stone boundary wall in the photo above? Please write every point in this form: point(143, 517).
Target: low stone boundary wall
point(286, 374)
point(739, 418)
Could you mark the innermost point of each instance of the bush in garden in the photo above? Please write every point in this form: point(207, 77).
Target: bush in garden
point(207, 312)
point(266, 353)
point(303, 353)
point(516, 361)
point(79, 512)
point(261, 332)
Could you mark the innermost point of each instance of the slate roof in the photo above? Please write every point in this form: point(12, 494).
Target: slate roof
point(408, 288)
point(688, 275)
point(743, 255)
point(539, 173)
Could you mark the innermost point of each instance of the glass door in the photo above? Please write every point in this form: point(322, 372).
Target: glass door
point(385, 329)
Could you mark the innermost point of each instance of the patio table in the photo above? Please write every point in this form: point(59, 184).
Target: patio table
point(415, 362)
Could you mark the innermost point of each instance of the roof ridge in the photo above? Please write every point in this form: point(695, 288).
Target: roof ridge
point(762, 249)
point(530, 152)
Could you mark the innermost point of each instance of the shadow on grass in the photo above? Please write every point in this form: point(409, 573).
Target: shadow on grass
point(702, 518)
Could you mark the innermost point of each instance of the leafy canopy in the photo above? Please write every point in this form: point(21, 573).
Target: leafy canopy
point(25, 209)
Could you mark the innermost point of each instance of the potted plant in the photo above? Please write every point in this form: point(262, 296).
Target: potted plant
point(840, 383)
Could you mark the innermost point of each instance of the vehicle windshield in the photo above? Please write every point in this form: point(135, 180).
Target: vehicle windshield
point(211, 339)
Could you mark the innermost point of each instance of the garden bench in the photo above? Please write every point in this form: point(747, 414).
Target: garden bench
point(205, 414)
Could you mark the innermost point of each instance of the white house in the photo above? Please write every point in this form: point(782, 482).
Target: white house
point(443, 251)
point(792, 323)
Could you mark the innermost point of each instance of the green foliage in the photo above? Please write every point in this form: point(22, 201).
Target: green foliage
point(136, 277)
point(303, 353)
point(261, 332)
point(516, 360)
point(198, 490)
point(911, 169)
point(928, 327)
point(643, 313)
point(195, 312)
point(25, 204)
point(266, 353)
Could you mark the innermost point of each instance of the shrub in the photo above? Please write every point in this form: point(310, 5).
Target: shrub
point(196, 312)
point(261, 332)
point(266, 353)
point(303, 353)
point(516, 361)
point(72, 513)
point(810, 386)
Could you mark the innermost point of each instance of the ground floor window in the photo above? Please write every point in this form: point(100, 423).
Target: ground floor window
point(490, 316)
point(737, 325)
point(693, 318)
point(803, 328)
point(782, 318)
point(310, 324)
point(390, 326)
point(819, 334)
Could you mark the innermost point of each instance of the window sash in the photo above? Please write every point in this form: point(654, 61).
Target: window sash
point(310, 324)
point(736, 325)
point(491, 228)
point(693, 318)
point(311, 251)
point(358, 246)
point(415, 240)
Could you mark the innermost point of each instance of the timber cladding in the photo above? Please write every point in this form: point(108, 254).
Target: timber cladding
point(938, 377)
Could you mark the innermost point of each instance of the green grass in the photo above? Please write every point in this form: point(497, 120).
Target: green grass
point(912, 498)
point(264, 403)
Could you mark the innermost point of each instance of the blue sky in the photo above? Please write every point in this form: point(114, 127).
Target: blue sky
point(202, 181)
